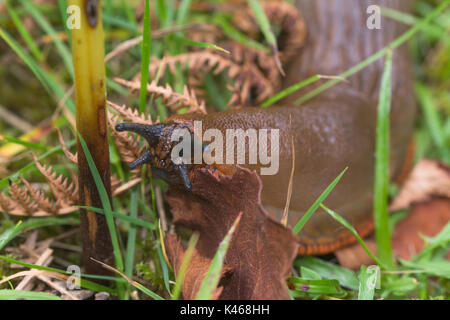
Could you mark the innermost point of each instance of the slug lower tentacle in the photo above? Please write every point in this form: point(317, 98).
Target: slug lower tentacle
point(158, 155)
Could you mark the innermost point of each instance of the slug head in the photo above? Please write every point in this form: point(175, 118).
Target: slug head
point(159, 152)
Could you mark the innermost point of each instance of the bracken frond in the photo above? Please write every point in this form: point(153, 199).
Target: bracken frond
point(264, 61)
point(169, 96)
point(129, 114)
point(7, 204)
point(127, 144)
point(206, 61)
point(69, 155)
point(22, 198)
point(66, 193)
point(283, 14)
point(39, 198)
point(115, 183)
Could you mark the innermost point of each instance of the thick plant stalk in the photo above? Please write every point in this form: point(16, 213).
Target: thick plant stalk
point(88, 56)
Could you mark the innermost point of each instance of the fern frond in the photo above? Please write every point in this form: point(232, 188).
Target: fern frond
point(65, 193)
point(169, 96)
point(39, 198)
point(7, 204)
point(69, 155)
point(264, 61)
point(127, 144)
point(283, 14)
point(206, 61)
point(22, 198)
point(129, 114)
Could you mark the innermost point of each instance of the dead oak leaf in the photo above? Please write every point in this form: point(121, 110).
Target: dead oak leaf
point(261, 252)
point(354, 256)
point(197, 270)
point(428, 219)
point(428, 178)
point(426, 192)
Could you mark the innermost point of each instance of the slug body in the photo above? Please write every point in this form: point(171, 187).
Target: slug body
point(335, 129)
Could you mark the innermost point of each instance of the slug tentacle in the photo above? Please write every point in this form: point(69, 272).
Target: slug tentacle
point(151, 133)
point(160, 138)
point(146, 157)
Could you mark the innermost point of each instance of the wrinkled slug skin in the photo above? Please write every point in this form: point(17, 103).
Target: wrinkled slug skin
point(337, 128)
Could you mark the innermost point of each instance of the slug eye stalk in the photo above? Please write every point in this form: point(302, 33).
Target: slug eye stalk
point(158, 155)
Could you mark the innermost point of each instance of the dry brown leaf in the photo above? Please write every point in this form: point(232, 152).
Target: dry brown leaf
point(196, 271)
point(261, 252)
point(354, 256)
point(426, 192)
point(428, 178)
point(426, 219)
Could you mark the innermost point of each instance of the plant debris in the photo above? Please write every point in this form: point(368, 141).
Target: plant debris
point(262, 250)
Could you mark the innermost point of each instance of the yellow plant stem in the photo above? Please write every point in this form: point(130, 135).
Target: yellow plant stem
point(90, 95)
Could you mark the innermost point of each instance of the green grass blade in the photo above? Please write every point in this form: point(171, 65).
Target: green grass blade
point(146, 291)
point(295, 87)
point(199, 44)
point(435, 267)
point(165, 269)
point(166, 10)
point(120, 23)
point(309, 274)
point(346, 277)
point(347, 225)
point(34, 223)
point(183, 11)
point(145, 57)
point(378, 55)
point(162, 254)
point(121, 216)
point(62, 4)
point(50, 85)
point(5, 181)
point(367, 283)
point(105, 203)
point(83, 282)
point(24, 32)
point(27, 295)
point(381, 183)
point(236, 35)
point(47, 27)
point(306, 287)
point(38, 72)
point(440, 241)
point(433, 121)
point(263, 22)
point(184, 265)
point(212, 277)
point(289, 90)
point(264, 25)
point(128, 12)
point(316, 204)
point(398, 286)
point(27, 144)
point(131, 242)
point(430, 29)
point(135, 284)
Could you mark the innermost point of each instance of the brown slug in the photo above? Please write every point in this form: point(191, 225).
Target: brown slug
point(332, 131)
